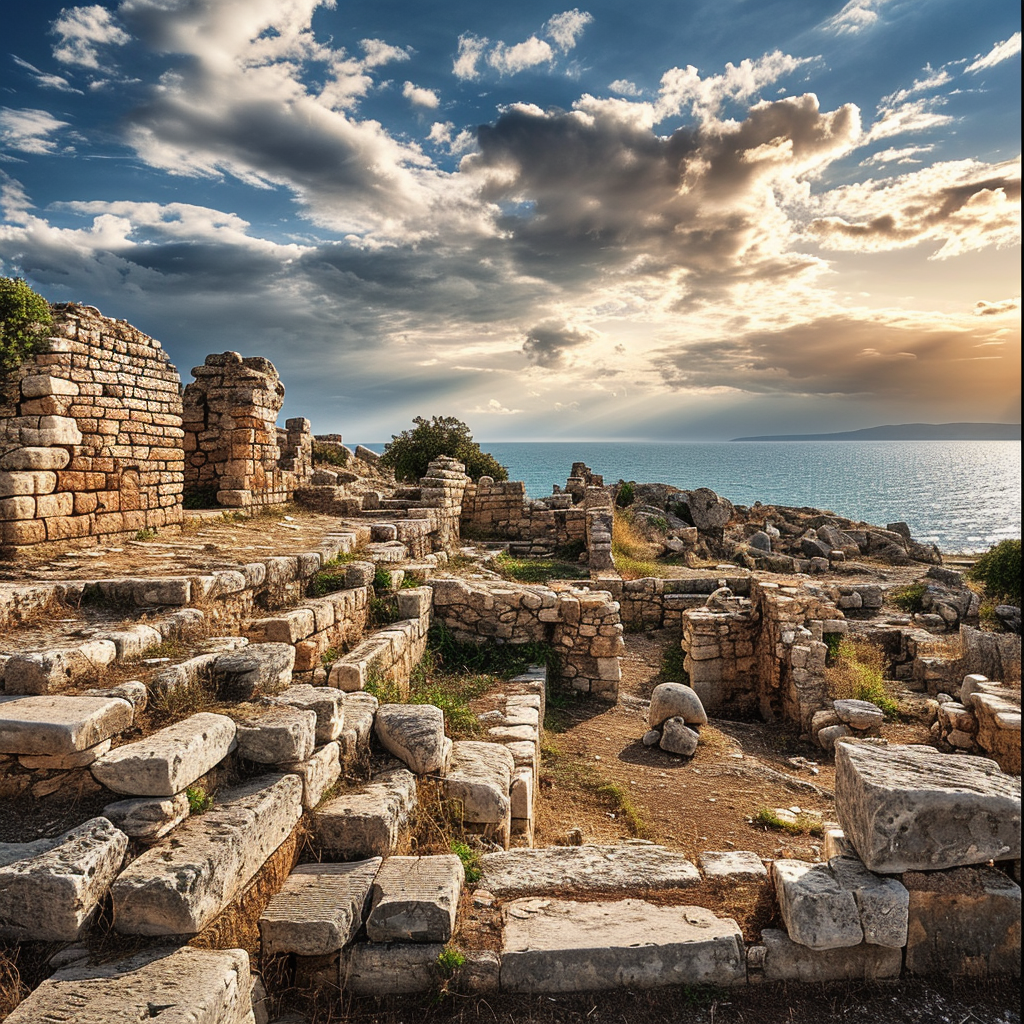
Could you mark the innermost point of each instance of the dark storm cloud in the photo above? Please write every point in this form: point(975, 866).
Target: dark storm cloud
point(547, 343)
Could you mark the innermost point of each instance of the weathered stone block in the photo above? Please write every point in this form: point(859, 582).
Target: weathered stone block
point(913, 808)
point(414, 733)
point(786, 960)
point(817, 911)
point(325, 701)
point(52, 725)
point(415, 899)
point(49, 888)
point(257, 668)
point(367, 823)
point(400, 968)
point(148, 819)
point(479, 778)
point(318, 773)
point(279, 735)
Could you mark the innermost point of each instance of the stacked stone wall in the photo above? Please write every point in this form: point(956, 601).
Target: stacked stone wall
point(90, 436)
point(233, 450)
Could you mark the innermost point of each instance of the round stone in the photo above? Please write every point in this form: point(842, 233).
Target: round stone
point(675, 700)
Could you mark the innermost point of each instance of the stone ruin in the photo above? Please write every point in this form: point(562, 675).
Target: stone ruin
point(291, 670)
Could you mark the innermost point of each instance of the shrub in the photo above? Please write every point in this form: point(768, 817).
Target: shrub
point(626, 493)
point(199, 801)
point(410, 452)
point(908, 599)
point(998, 570)
point(329, 453)
point(536, 570)
point(858, 673)
point(470, 860)
point(24, 318)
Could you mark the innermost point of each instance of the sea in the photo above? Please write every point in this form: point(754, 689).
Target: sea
point(963, 496)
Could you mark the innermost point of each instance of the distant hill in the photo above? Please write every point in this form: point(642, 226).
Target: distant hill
point(909, 432)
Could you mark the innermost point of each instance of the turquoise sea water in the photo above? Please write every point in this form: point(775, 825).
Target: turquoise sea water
point(961, 495)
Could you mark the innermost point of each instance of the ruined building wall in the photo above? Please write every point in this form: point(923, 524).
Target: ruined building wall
point(90, 436)
point(233, 451)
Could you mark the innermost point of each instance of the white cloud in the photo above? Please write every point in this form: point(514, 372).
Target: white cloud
point(624, 87)
point(44, 79)
point(82, 30)
point(508, 60)
point(914, 116)
point(495, 408)
point(29, 131)
point(567, 27)
point(856, 16)
point(907, 155)
point(983, 308)
point(1000, 52)
point(442, 134)
point(420, 97)
point(471, 50)
point(378, 52)
point(932, 80)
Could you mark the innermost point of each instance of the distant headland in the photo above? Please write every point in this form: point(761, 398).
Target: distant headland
point(909, 432)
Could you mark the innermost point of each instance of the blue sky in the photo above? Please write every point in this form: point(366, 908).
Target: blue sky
point(666, 220)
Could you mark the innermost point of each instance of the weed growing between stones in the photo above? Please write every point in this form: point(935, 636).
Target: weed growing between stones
point(908, 599)
point(183, 701)
point(164, 649)
point(799, 824)
point(331, 576)
point(857, 673)
point(496, 659)
point(672, 662)
point(144, 535)
point(535, 570)
point(199, 801)
point(12, 991)
point(632, 552)
point(470, 858)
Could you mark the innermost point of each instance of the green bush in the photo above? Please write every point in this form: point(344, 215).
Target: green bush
point(410, 452)
point(998, 570)
point(908, 599)
point(626, 494)
point(24, 318)
point(330, 454)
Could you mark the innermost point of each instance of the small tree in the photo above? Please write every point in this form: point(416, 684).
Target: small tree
point(410, 452)
point(998, 570)
point(24, 318)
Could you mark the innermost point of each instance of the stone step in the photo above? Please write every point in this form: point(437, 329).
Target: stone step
point(479, 778)
point(320, 908)
point(414, 733)
point(415, 899)
point(170, 760)
point(54, 725)
point(586, 868)
point(179, 885)
point(203, 986)
point(553, 945)
point(367, 823)
point(50, 887)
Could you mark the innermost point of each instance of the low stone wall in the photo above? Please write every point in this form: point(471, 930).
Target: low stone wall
point(582, 625)
point(656, 603)
point(90, 436)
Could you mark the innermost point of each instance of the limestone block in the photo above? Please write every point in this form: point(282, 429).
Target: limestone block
point(521, 792)
point(400, 968)
point(360, 712)
point(326, 702)
point(64, 762)
point(179, 885)
point(554, 945)
point(53, 670)
point(678, 738)
point(910, 808)
point(51, 430)
point(49, 888)
point(169, 590)
point(320, 908)
point(169, 760)
point(318, 773)
point(786, 960)
point(41, 385)
point(732, 865)
point(367, 823)
point(479, 778)
point(258, 668)
point(414, 733)
point(22, 507)
point(817, 911)
point(859, 714)
point(52, 725)
point(674, 700)
point(594, 868)
point(148, 819)
point(415, 899)
point(280, 735)
point(200, 986)
point(134, 641)
point(881, 902)
point(965, 921)
point(36, 458)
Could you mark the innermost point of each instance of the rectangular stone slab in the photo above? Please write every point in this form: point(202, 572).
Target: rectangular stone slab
point(319, 909)
point(786, 960)
point(181, 884)
point(400, 968)
point(170, 760)
point(53, 724)
point(554, 945)
point(49, 888)
point(190, 986)
point(367, 823)
point(415, 899)
point(593, 868)
point(912, 808)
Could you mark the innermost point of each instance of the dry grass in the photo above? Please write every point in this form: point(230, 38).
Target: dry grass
point(632, 550)
point(858, 674)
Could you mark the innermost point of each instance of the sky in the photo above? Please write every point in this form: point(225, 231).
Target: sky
point(666, 220)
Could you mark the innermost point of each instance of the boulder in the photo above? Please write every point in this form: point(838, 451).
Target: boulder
point(912, 808)
point(859, 714)
point(414, 733)
point(678, 738)
point(708, 512)
point(675, 700)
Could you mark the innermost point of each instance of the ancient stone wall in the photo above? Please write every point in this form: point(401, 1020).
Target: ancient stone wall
point(656, 603)
point(235, 455)
point(582, 625)
point(90, 436)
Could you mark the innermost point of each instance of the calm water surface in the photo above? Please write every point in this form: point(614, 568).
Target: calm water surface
point(961, 495)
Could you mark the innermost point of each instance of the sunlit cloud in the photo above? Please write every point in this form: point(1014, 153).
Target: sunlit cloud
point(1001, 51)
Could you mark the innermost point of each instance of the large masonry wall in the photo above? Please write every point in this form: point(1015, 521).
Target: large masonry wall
point(90, 436)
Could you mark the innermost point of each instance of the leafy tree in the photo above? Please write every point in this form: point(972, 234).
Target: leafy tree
point(999, 571)
point(410, 452)
point(24, 318)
